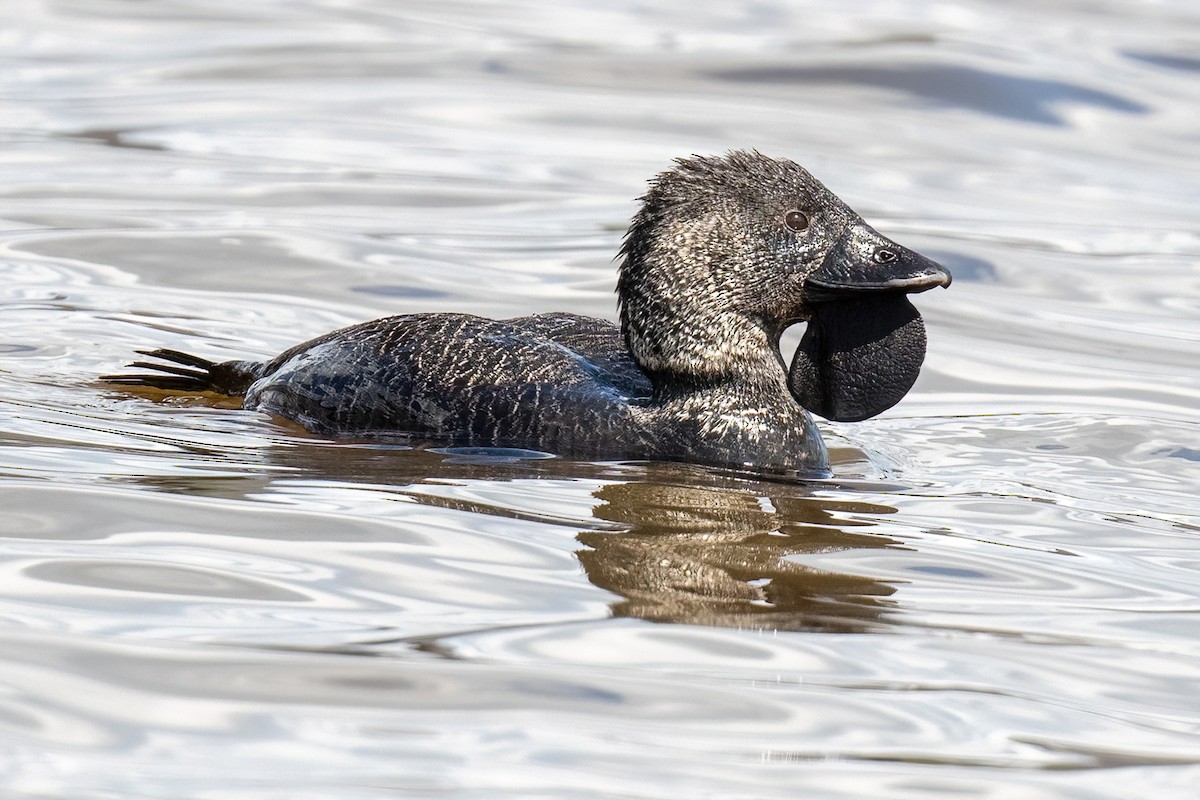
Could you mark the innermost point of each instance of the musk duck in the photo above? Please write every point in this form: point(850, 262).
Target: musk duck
point(723, 255)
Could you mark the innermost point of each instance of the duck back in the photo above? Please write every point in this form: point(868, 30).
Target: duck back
point(554, 382)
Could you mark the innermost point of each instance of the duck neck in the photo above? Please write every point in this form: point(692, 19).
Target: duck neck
point(725, 400)
point(690, 351)
point(687, 319)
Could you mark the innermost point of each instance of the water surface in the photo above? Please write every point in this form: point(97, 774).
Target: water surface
point(995, 595)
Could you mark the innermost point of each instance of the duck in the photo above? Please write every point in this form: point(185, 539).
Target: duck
point(723, 254)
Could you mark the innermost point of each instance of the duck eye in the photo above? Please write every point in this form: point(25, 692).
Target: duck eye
point(796, 220)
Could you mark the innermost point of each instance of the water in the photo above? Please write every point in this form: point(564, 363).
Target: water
point(995, 596)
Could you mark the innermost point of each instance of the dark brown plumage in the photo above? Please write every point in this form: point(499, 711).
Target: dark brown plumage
point(723, 255)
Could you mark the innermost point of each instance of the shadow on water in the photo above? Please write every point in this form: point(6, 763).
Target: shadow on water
point(992, 93)
point(1167, 60)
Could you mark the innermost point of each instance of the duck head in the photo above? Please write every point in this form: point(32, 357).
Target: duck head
point(726, 252)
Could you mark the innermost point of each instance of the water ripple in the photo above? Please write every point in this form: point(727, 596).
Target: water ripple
point(994, 596)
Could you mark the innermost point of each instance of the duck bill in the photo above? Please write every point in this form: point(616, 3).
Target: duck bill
point(865, 342)
point(863, 261)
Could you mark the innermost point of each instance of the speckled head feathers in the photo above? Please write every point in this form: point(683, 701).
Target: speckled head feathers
point(699, 178)
point(710, 274)
point(698, 181)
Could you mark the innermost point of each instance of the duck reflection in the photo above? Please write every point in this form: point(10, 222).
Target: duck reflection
point(723, 557)
point(677, 543)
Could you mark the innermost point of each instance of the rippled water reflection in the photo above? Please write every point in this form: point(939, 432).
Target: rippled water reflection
point(994, 596)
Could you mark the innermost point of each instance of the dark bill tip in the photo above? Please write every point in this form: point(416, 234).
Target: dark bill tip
point(931, 276)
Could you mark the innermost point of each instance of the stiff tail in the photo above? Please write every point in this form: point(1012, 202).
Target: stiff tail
point(184, 372)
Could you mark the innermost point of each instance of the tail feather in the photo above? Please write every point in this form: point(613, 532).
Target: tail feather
point(178, 357)
point(184, 372)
